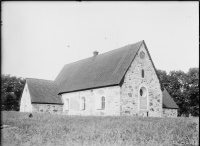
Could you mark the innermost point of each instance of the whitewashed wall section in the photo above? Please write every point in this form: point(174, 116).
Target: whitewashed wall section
point(112, 101)
point(25, 103)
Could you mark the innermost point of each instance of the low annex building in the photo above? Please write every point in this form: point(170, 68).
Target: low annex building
point(119, 82)
point(41, 96)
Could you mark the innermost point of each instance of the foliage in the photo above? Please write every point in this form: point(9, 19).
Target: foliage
point(11, 90)
point(52, 130)
point(184, 88)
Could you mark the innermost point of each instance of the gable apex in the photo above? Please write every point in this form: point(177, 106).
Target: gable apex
point(152, 63)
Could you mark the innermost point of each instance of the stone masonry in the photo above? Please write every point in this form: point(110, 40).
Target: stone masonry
point(170, 113)
point(47, 108)
point(133, 81)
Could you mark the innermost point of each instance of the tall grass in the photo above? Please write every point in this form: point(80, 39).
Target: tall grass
point(47, 129)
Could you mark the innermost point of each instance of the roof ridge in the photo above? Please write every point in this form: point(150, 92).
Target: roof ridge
point(39, 79)
point(104, 53)
point(123, 47)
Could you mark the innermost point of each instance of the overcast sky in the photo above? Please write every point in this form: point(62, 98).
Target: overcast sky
point(39, 38)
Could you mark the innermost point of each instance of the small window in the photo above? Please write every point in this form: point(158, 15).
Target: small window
point(142, 55)
point(103, 102)
point(143, 98)
point(143, 92)
point(82, 103)
point(142, 73)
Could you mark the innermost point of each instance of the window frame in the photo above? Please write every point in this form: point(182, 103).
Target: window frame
point(142, 73)
point(67, 102)
point(100, 99)
point(147, 98)
point(142, 55)
point(103, 102)
point(83, 103)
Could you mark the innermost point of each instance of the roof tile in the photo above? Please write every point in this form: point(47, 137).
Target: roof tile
point(43, 91)
point(102, 70)
point(168, 101)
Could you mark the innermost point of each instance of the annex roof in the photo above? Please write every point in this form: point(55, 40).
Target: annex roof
point(101, 70)
point(43, 91)
point(168, 101)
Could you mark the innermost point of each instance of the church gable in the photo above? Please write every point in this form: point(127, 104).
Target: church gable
point(140, 92)
point(25, 103)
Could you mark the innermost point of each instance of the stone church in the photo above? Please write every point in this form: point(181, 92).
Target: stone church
point(119, 82)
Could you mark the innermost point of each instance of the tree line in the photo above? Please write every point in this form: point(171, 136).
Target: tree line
point(11, 91)
point(183, 87)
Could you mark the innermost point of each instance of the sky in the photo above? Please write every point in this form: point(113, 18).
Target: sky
point(39, 38)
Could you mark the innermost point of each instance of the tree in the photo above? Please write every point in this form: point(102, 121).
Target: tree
point(184, 89)
point(11, 90)
point(164, 79)
point(193, 85)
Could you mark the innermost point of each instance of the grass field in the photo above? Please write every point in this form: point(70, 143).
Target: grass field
point(53, 130)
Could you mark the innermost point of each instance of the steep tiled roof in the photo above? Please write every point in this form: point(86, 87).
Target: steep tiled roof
point(43, 91)
point(168, 101)
point(102, 70)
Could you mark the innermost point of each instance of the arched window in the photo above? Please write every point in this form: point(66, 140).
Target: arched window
point(82, 103)
point(100, 99)
point(142, 73)
point(143, 98)
point(102, 102)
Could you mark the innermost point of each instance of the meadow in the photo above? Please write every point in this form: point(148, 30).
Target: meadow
point(60, 130)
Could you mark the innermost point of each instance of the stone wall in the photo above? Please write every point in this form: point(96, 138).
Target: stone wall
point(25, 103)
point(112, 102)
point(170, 112)
point(133, 81)
point(47, 108)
